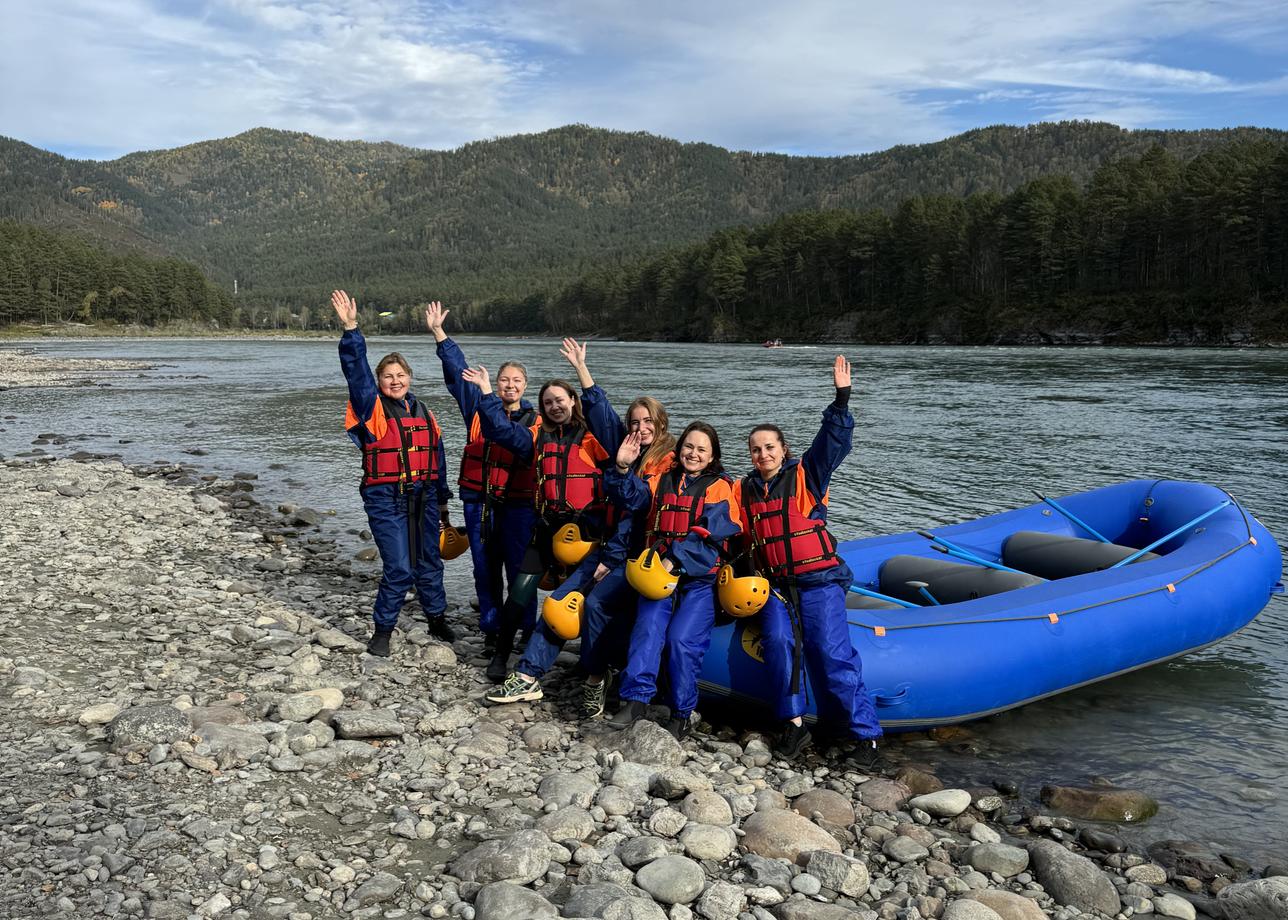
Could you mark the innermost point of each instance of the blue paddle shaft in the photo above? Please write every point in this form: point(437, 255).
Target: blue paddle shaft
point(952, 549)
point(1073, 517)
point(881, 597)
point(1161, 540)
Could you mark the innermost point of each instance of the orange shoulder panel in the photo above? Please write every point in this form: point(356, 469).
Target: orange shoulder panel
point(476, 428)
point(376, 425)
point(594, 451)
point(805, 500)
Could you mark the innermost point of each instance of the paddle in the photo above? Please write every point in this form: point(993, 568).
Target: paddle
point(881, 597)
point(949, 548)
point(1073, 517)
point(1161, 540)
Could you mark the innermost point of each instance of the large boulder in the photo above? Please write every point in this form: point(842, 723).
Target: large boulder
point(591, 900)
point(1100, 803)
point(508, 901)
point(1072, 880)
point(367, 723)
point(782, 834)
point(883, 794)
point(147, 725)
point(568, 823)
point(1007, 905)
point(672, 879)
point(832, 806)
point(562, 789)
point(707, 808)
point(647, 742)
point(520, 858)
point(1263, 899)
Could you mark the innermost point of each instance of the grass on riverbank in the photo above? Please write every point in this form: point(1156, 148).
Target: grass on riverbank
point(177, 329)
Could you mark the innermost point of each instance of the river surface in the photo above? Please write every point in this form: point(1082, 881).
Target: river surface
point(943, 434)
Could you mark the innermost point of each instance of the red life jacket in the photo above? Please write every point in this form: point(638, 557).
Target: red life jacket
point(408, 452)
point(486, 465)
point(569, 481)
point(676, 510)
point(787, 541)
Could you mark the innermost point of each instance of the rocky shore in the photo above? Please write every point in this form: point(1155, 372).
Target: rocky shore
point(193, 729)
point(22, 369)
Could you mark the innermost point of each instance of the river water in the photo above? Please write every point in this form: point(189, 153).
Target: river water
point(943, 434)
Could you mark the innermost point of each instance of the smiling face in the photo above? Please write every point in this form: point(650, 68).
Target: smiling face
point(696, 453)
point(394, 380)
point(556, 404)
point(510, 384)
point(767, 453)
point(642, 422)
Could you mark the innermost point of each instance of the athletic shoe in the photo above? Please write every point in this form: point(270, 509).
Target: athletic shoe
point(865, 753)
point(631, 712)
point(680, 728)
point(442, 630)
point(793, 741)
point(516, 689)
point(379, 643)
point(593, 698)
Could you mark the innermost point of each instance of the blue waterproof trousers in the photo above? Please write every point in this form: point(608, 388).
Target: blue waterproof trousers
point(500, 548)
point(404, 525)
point(679, 627)
point(609, 612)
point(835, 672)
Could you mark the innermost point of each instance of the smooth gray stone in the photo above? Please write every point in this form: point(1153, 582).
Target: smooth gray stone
point(520, 858)
point(367, 723)
point(672, 879)
point(1072, 880)
point(1262, 899)
point(998, 857)
point(508, 901)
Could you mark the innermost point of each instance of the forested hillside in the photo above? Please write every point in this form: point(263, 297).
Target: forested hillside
point(51, 277)
point(290, 216)
point(1152, 250)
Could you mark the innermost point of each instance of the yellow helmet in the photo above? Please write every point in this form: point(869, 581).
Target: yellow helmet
point(564, 617)
point(568, 546)
point(649, 577)
point(452, 541)
point(741, 597)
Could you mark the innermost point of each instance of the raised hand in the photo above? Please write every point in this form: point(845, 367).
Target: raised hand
point(435, 316)
point(479, 377)
point(629, 451)
point(346, 308)
point(575, 354)
point(841, 372)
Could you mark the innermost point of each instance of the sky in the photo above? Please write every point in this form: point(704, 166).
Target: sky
point(100, 78)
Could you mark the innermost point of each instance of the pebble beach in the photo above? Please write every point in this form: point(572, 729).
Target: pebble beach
point(193, 729)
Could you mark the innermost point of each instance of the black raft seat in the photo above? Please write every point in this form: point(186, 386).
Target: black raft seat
point(1055, 556)
point(863, 602)
point(948, 582)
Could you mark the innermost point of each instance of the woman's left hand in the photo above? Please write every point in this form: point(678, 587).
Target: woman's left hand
point(479, 377)
point(841, 372)
point(600, 571)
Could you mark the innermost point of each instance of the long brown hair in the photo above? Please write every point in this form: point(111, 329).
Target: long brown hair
point(578, 417)
point(663, 440)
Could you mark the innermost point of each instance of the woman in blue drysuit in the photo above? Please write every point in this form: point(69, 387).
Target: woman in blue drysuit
point(404, 484)
point(782, 505)
point(689, 517)
point(496, 486)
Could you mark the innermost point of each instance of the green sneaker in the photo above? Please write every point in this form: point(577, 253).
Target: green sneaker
point(516, 689)
point(593, 699)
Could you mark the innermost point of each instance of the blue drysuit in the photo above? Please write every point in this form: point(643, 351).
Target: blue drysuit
point(835, 671)
point(499, 531)
point(404, 520)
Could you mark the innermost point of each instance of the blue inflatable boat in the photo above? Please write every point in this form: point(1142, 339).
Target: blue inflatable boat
point(971, 619)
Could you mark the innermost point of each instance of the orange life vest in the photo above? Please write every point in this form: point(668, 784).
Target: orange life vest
point(569, 481)
point(787, 541)
point(408, 450)
point(486, 465)
point(676, 510)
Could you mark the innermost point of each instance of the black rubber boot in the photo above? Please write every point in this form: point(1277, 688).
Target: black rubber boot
point(793, 742)
point(489, 644)
point(379, 643)
point(680, 728)
point(508, 620)
point(441, 630)
point(631, 712)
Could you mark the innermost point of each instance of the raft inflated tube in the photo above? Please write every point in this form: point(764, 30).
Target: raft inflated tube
point(948, 582)
point(1055, 556)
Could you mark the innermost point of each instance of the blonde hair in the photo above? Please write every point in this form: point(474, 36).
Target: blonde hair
point(663, 440)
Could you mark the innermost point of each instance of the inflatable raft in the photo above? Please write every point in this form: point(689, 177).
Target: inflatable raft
point(975, 618)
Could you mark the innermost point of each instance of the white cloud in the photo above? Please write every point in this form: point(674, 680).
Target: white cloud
point(826, 76)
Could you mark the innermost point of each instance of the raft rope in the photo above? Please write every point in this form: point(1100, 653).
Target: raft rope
point(1170, 588)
